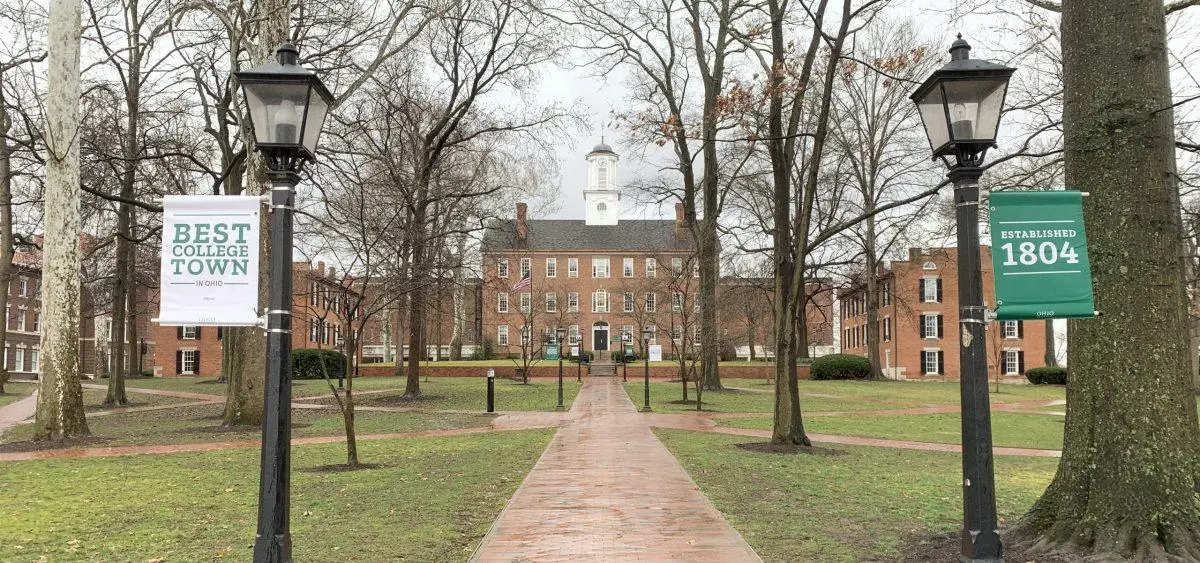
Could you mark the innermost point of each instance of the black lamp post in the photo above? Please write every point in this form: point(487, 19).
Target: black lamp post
point(560, 334)
point(960, 107)
point(626, 339)
point(287, 106)
point(647, 334)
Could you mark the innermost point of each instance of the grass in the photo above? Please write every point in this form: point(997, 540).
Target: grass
point(866, 504)
point(1008, 429)
point(463, 393)
point(16, 392)
point(199, 424)
point(432, 499)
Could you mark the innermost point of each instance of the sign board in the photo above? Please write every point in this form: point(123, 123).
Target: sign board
point(552, 351)
point(1039, 255)
point(655, 353)
point(574, 351)
point(209, 264)
point(628, 350)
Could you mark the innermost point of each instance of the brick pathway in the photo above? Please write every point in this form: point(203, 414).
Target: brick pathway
point(606, 489)
point(13, 414)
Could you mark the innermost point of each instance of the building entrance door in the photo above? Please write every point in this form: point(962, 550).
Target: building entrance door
point(600, 336)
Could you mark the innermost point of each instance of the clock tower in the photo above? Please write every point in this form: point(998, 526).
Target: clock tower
point(602, 198)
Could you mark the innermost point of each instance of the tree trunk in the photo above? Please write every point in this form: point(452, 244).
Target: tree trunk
point(872, 261)
point(1051, 354)
point(1125, 487)
point(460, 314)
point(710, 271)
point(348, 408)
point(60, 412)
point(124, 270)
point(6, 231)
point(416, 305)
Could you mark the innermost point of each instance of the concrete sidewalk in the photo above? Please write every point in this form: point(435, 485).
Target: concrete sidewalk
point(606, 489)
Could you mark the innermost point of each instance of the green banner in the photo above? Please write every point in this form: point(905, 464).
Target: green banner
point(551, 351)
point(1039, 255)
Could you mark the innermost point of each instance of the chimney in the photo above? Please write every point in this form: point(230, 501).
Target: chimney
point(332, 271)
point(522, 225)
point(679, 218)
point(320, 268)
point(680, 222)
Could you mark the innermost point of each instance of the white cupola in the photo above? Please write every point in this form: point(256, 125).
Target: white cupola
point(602, 198)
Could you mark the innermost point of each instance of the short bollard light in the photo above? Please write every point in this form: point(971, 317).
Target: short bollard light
point(491, 384)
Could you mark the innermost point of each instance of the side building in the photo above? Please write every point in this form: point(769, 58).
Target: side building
point(22, 344)
point(918, 319)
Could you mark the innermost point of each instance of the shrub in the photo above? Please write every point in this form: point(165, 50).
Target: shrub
point(306, 363)
point(1047, 376)
point(841, 366)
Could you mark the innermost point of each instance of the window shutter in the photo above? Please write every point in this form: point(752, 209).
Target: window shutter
point(939, 290)
point(178, 361)
point(1021, 362)
point(198, 333)
point(219, 333)
point(923, 317)
point(178, 333)
point(940, 327)
point(1020, 329)
point(941, 362)
point(921, 290)
point(196, 356)
point(1003, 363)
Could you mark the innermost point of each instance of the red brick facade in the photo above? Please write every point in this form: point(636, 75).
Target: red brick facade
point(918, 320)
point(23, 317)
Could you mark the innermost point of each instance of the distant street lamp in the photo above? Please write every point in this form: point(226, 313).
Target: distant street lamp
point(960, 106)
point(647, 334)
point(287, 106)
point(560, 334)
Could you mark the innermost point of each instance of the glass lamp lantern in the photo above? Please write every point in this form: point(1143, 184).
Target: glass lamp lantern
point(288, 105)
point(960, 105)
point(647, 334)
point(561, 334)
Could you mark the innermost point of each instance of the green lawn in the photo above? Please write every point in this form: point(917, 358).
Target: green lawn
point(93, 400)
point(463, 393)
point(432, 499)
point(666, 397)
point(1008, 429)
point(187, 425)
point(14, 392)
point(864, 505)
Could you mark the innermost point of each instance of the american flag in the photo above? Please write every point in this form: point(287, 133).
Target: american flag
point(524, 283)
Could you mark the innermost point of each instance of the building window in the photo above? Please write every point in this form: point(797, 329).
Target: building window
point(651, 303)
point(526, 301)
point(653, 333)
point(551, 267)
point(676, 332)
point(932, 362)
point(35, 362)
point(525, 335)
point(627, 332)
point(526, 267)
point(600, 302)
point(676, 266)
point(21, 319)
point(676, 302)
point(599, 267)
point(696, 336)
point(929, 266)
point(601, 178)
point(573, 302)
point(551, 302)
point(501, 302)
point(887, 329)
point(502, 335)
point(601, 208)
point(191, 333)
point(931, 290)
point(651, 267)
point(627, 267)
point(1012, 329)
point(1013, 362)
point(188, 360)
point(628, 303)
point(931, 325)
point(502, 267)
point(572, 267)
point(887, 293)
point(573, 335)
point(24, 288)
point(19, 359)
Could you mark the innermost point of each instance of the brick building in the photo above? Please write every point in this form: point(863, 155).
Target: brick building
point(22, 343)
point(603, 277)
point(918, 320)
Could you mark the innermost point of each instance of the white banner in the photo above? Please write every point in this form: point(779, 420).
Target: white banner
point(655, 352)
point(209, 271)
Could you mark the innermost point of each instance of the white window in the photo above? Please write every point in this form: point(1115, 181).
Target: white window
point(627, 267)
point(21, 319)
point(314, 329)
point(676, 302)
point(600, 302)
point(314, 292)
point(929, 266)
point(930, 362)
point(551, 302)
point(887, 329)
point(191, 332)
point(651, 267)
point(1011, 329)
point(573, 335)
point(601, 179)
point(599, 267)
point(676, 266)
point(502, 335)
point(526, 301)
point(551, 267)
point(188, 361)
point(627, 330)
point(34, 360)
point(628, 302)
point(1012, 362)
point(651, 305)
point(929, 325)
point(696, 336)
point(653, 333)
point(929, 290)
point(501, 302)
point(502, 267)
point(525, 335)
point(24, 288)
point(573, 302)
point(676, 332)
point(572, 267)
point(526, 267)
point(887, 293)
point(19, 358)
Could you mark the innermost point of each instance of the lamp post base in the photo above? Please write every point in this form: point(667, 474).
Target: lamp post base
point(646, 409)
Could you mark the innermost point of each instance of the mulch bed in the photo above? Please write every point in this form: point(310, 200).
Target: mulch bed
point(789, 449)
point(32, 446)
point(340, 468)
point(936, 548)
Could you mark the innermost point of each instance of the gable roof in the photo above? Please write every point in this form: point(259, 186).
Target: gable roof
point(574, 234)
